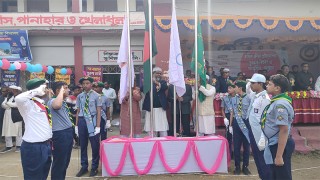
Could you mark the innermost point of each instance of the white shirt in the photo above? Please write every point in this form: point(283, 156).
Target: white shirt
point(317, 85)
point(37, 127)
point(258, 103)
point(110, 94)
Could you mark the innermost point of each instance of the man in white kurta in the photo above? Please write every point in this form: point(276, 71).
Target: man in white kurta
point(206, 111)
point(9, 128)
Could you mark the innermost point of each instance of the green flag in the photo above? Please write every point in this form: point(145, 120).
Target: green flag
point(201, 64)
point(146, 50)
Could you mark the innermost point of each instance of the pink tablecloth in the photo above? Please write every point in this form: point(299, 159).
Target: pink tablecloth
point(124, 156)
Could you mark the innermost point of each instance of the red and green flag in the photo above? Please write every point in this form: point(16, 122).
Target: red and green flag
point(146, 50)
point(201, 64)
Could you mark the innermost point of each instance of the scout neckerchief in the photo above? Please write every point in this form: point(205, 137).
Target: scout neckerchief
point(45, 109)
point(66, 107)
point(90, 121)
point(275, 98)
point(240, 104)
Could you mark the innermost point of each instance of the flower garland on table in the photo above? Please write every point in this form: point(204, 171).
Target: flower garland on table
point(304, 94)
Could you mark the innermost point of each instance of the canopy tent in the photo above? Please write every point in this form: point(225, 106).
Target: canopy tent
point(297, 39)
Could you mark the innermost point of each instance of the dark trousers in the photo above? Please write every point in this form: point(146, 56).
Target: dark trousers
point(185, 121)
point(264, 170)
point(103, 131)
point(62, 142)
point(240, 140)
point(283, 172)
point(229, 136)
point(95, 145)
point(36, 160)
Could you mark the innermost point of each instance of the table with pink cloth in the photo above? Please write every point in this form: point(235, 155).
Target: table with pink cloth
point(125, 156)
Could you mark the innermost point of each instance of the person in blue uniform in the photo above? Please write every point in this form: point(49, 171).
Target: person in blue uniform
point(62, 138)
point(87, 126)
point(240, 130)
point(105, 109)
point(276, 123)
point(227, 113)
point(259, 100)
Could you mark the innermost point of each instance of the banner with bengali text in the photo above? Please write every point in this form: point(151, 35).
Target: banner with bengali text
point(95, 72)
point(10, 78)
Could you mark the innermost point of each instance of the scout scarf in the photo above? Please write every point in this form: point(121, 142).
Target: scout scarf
point(90, 121)
point(44, 108)
point(275, 98)
point(240, 120)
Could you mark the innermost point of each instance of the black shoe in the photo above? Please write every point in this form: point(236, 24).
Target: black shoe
point(237, 171)
point(81, 172)
point(93, 172)
point(246, 171)
point(6, 149)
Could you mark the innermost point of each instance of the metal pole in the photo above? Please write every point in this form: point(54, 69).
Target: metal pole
point(174, 94)
point(196, 61)
point(151, 62)
point(180, 129)
point(130, 69)
point(174, 112)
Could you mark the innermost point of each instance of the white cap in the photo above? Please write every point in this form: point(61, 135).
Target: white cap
point(258, 78)
point(15, 87)
point(226, 70)
point(156, 69)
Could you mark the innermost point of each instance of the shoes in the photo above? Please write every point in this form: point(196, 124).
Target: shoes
point(7, 149)
point(17, 149)
point(81, 172)
point(110, 129)
point(76, 146)
point(237, 171)
point(93, 172)
point(246, 171)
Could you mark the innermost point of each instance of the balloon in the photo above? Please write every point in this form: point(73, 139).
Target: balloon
point(29, 66)
point(1, 63)
point(17, 65)
point(5, 64)
point(69, 71)
point(12, 67)
point(38, 68)
point(23, 66)
point(50, 70)
point(44, 68)
point(63, 71)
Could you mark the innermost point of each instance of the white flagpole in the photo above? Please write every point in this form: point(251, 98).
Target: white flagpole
point(129, 69)
point(151, 62)
point(174, 92)
point(196, 61)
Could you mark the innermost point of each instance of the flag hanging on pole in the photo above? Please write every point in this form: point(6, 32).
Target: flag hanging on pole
point(176, 76)
point(123, 63)
point(146, 50)
point(201, 64)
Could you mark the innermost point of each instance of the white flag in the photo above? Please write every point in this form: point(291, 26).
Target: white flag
point(176, 76)
point(123, 63)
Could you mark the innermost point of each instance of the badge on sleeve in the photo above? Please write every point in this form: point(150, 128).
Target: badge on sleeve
point(280, 108)
point(280, 118)
point(256, 110)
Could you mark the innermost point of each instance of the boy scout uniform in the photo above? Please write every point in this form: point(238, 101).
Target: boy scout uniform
point(280, 112)
point(240, 130)
point(86, 130)
point(105, 104)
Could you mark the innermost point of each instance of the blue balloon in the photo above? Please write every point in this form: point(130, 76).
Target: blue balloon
point(38, 68)
point(50, 70)
point(1, 63)
point(63, 71)
point(12, 67)
point(29, 66)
